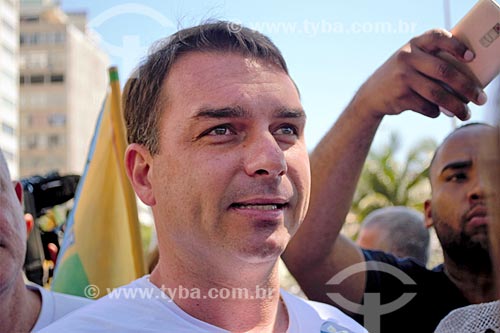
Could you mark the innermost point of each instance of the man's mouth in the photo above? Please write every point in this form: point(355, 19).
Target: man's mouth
point(266, 206)
point(477, 216)
point(478, 211)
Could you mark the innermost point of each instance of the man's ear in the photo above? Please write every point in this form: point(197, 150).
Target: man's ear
point(138, 165)
point(428, 213)
point(28, 218)
point(30, 223)
point(19, 190)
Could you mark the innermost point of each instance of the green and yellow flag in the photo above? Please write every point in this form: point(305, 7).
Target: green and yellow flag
point(102, 244)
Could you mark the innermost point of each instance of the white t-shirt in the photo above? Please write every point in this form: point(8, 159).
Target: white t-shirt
point(151, 310)
point(55, 305)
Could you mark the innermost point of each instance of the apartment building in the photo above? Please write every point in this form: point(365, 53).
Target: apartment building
point(9, 89)
point(63, 82)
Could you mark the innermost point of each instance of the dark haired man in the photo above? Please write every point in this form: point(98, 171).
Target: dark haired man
point(216, 133)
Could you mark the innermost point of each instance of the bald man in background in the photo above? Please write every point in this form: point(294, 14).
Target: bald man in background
point(398, 230)
point(23, 307)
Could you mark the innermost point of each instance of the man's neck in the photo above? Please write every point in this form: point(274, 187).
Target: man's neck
point(19, 308)
point(248, 300)
point(477, 287)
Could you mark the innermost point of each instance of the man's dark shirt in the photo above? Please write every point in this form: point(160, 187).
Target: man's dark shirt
point(435, 295)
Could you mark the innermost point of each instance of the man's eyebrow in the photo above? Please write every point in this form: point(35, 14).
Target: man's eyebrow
point(239, 112)
point(229, 112)
point(289, 113)
point(456, 165)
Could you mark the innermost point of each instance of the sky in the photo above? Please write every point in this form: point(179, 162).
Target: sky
point(331, 47)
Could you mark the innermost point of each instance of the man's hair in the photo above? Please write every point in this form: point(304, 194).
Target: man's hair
point(142, 97)
point(403, 231)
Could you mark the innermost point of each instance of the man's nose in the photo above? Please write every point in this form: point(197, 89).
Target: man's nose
point(264, 157)
point(477, 191)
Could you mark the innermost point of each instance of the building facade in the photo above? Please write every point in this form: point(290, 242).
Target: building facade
point(63, 83)
point(9, 88)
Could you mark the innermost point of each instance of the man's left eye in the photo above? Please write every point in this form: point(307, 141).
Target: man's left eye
point(286, 130)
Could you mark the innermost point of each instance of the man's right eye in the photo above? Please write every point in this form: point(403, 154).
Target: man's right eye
point(457, 177)
point(220, 130)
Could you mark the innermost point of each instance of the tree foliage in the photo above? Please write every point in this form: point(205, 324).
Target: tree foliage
point(385, 181)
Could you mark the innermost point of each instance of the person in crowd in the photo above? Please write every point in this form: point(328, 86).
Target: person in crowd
point(24, 307)
point(386, 293)
point(398, 230)
point(216, 133)
point(483, 317)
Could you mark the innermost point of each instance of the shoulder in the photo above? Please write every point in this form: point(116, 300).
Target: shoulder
point(137, 307)
point(380, 263)
point(392, 276)
point(383, 266)
point(117, 308)
point(310, 316)
point(64, 303)
point(55, 305)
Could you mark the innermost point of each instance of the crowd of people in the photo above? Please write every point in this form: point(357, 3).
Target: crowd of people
point(216, 148)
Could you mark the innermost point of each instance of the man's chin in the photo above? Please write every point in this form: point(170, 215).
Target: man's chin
point(266, 252)
point(480, 236)
point(472, 255)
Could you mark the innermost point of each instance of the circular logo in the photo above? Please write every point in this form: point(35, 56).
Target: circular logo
point(127, 51)
point(123, 9)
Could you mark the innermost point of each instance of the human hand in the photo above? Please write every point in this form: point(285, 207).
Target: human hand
point(412, 79)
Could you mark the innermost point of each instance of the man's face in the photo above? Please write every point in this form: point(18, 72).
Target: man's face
point(232, 176)
point(12, 229)
point(458, 206)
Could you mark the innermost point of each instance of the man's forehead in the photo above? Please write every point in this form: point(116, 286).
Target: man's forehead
point(194, 64)
point(465, 145)
point(203, 78)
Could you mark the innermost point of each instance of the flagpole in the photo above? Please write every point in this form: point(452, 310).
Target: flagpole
point(447, 26)
point(120, 133)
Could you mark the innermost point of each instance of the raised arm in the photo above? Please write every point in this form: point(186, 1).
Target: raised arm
point(407, 81)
